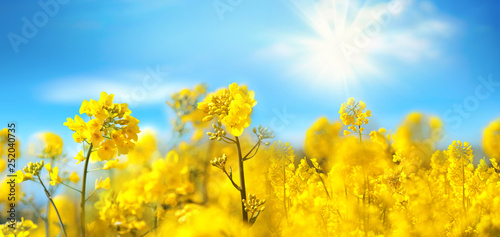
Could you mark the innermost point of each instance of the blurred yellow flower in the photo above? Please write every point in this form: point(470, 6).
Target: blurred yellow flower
point(144, 148)
point(21, 228)
point(110, 164)
point(79, 157)
point(21, 176)
point(321, 138)
point(491, 139)
point(52, 145)
point(104, 184)
point(54, 174)
point(74, 177)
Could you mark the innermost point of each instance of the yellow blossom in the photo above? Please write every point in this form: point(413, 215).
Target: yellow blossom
point(232, 107)
point(107, 150)
point(21, 176)
point(79, 157)
point(110, 164)
point(74, 177)
point(104, 184)
point(54, 174)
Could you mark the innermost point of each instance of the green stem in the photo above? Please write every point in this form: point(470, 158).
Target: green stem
point(71, 187)
point(95, 170)
point(243, 190)
point(359, 130)
point(46, 220)
point(54, 205)
point(229, 139)
point(255, 146)
point(82, 199)
point(324, 184)
point(86, 199)
point(230, 177)
point(147, 232)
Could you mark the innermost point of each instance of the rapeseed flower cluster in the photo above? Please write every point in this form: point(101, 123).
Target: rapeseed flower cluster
point(354, 114)
point(18, 229)
point(232, 106)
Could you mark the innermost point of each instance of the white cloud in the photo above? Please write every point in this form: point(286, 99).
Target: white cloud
point(276, 51)
point(134, 88)
point(427, 6)
point(405, 47)
point(348, 39)
point(421, 36)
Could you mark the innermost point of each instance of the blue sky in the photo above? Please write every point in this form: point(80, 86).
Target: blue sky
point(299, 56)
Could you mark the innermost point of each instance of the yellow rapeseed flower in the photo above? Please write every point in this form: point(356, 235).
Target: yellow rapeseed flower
point(104, 184)
point(110, 164)
point(74, 177)
point(232, 107)
point(54, 174)
point(354, 115)
point(107, 150)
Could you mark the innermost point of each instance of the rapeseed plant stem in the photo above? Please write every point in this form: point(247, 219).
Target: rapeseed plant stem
point(359, 129)
point(324, 185)
point(82, 198)
point(243, 191)
point(230, 176)
point(53, 205)
point(46, 221)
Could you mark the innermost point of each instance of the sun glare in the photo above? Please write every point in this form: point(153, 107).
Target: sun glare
point(336, 53)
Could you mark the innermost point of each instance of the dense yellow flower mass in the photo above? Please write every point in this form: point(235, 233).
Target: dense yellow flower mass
point(373, 183)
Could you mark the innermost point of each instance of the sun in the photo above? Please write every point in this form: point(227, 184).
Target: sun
point(333, 55)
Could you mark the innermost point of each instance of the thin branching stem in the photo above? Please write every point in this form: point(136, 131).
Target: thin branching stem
point(71, 187)
point(147, 232)
point(224, 139)
point(255, 153)
point(95, 170)
point(232, 181)
point(53, 205)
point(46, 220)
point(229, 139)
point(86, 199)
point(324, 185)
point(255, 146)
